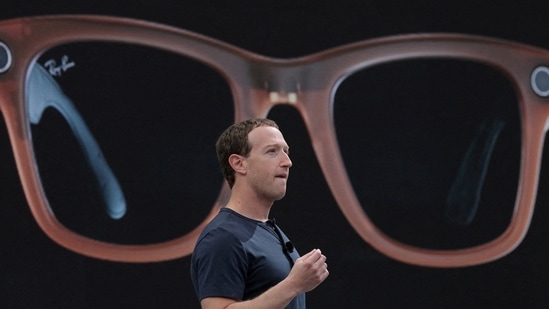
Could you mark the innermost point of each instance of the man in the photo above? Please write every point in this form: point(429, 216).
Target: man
point(242, 259)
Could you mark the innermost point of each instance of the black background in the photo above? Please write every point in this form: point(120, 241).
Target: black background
point(37, 273)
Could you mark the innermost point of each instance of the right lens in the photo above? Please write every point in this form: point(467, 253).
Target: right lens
point(152, 118)
point(432, 148)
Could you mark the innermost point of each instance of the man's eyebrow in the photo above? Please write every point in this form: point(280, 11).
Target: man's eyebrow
point(281, 145)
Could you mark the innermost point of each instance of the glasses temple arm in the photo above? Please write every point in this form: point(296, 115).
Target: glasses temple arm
point(43, 92)
point(464, 195)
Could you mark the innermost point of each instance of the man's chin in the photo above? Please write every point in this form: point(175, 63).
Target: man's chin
point(281, 196)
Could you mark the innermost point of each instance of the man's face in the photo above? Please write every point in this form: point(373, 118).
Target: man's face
point(268, 164)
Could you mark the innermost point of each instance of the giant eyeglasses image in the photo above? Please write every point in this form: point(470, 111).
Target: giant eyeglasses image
point(430, 143)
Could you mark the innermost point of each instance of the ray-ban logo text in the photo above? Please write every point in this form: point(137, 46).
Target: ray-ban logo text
point(56, 69)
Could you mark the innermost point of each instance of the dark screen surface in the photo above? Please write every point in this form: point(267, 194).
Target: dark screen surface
point(37, 273)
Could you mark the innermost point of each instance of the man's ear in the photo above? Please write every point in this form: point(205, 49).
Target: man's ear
point(238, 163)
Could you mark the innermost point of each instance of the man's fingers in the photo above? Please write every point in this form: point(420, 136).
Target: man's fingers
point(311, 254)
point(321, 259)
point(316, 259)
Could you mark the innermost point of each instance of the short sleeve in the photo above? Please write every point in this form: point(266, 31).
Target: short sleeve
point(219, 266)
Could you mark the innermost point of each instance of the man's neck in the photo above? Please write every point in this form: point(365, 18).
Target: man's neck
point(249, 206)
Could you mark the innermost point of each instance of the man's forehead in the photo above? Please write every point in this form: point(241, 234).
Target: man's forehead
point(266, 136)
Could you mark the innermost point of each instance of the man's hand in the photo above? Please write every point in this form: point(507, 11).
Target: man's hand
point(309, 271)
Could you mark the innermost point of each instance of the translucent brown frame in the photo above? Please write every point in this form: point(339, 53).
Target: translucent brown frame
point(258, 83)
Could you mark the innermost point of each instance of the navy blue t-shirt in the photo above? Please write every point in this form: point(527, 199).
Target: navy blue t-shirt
point(240, 258)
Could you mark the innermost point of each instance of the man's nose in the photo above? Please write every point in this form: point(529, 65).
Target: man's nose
point(287, 162)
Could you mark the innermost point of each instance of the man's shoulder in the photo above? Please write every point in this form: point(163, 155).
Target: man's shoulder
point(228, 227)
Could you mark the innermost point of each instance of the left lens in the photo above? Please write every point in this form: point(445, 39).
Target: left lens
point(124, 139)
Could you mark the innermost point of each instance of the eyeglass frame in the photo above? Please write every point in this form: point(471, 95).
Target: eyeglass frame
point(259, 83)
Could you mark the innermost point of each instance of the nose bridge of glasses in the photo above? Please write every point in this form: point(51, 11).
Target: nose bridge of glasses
point(280, 80)
point(282, 89)
point(289, 81)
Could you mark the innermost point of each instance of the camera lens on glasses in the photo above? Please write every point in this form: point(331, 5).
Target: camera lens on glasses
point(540, 81)
point(5, 57)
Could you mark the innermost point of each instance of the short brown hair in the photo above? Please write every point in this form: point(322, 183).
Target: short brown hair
point(234, 140)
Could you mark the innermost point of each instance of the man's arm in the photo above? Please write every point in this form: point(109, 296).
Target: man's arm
point(308, 272)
